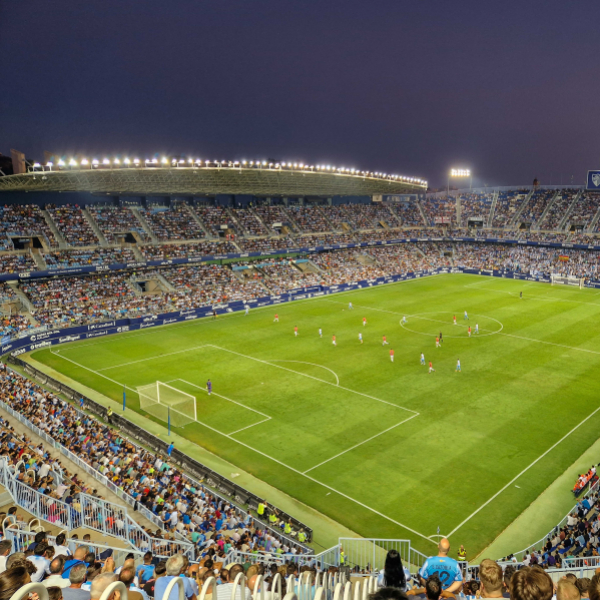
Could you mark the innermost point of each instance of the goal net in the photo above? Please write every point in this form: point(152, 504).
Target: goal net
point(162, 400)
point(566, 280)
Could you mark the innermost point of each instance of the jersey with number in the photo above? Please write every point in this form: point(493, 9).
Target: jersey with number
point(446, 568)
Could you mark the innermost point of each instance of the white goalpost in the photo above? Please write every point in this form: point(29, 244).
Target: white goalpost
point(557, 279)
point(165, 401)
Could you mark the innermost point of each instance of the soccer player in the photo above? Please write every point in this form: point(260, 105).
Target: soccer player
point(360, 338)
point(476, 327)
point(350, 307)
point(437, 342)
point(391, 355)
point(455, 319)
point(364, 321)
point(276, 319)
point(296, 331)
point(422, 359)
point(384, 343)
point(209, 387)
point(214, 314)
point(441, 338)
point(333, 340)
point(466, 316)
point(521, 295)
point(247, 310)
point(431, 369)
point(457, 365)
point(403, 319)
point(320, 332)
point(469, 331)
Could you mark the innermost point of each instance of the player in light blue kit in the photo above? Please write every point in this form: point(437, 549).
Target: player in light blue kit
point(247, 310)
point(360, 338)
point(466, 318)
point(422, 358)
point(476, 327)
point(458, 365)
point(446, 568)
point(404, 320)
point(350, 307)
point(320, 332)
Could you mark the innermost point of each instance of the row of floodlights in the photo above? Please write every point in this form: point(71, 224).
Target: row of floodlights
point(165, 162)
point(460, 173)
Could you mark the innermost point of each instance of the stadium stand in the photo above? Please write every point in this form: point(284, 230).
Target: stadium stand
point(309, 218)
point(536, 206)
point(72, 224)
point(408, 213)
point(114, 220)
point(440, 210)
point(249, 223)
point(174, 223)
point(60, 259)
point(215, 219)
point(16, 263)
point(170, 251)
point(507, 205)
point(584, 211)
point(558, 210)
point(23, 220)
point(474, 207)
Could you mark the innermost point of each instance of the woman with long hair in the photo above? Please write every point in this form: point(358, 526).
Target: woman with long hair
point(393, 572)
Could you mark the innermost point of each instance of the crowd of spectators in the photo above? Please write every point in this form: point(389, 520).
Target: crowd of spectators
point(362, 216)
point(310, 219)
point(272, 215)
point(17, 263)
point(170, 251)
point(249, 223)
point(213, 218)
point(536, 206)
point(408, 213)
point(558, 210)
point(507, 205)
point(440, 210)
point(23, 220)
point(585, 210)
point(14, 323)
point(475, 206)
point(73, 225)
point(267, 244)
point(175, 223)
point(112, 220)
point(282, 275)
point(99, 255)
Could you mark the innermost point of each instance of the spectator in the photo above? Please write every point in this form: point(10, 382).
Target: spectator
point(566, 590)
point(5, 548)
point(100, 584)
point(42, 564)
point(175, 566)
point(159, 571)
point(531, 583)
point(386, 593)
point(78, 558)
point(490, 576)
point(583, 585)
point(145, 572)
point(60, 546)
point(77, 577)
point(447, 568)
point(392, 574)
point(56, 579)
point(127, 577)
point(55, 593)
point(225, 589)
point(12, 580)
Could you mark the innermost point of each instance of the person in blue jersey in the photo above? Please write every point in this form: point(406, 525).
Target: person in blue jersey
point(444, 567)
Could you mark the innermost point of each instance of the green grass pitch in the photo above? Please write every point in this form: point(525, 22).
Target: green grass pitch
point(385, 448)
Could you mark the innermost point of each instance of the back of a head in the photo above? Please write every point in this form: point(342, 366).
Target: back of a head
point(5, 546)
point(509, 571)
point(80, 552)
point(235, 569)
point(531, 584)
point(393, 572)
point(78, 573)
point(444, 546)
point(60, 539)
point(583, 585)
point(127, 576)
point(433, 587)
point(148, 557)
point(90, 558)
point(40, 536)
point(13, 558)
point(100, 583)
point(490, 575)
point(594, 588)
point(54, 593)
point(175, 565)
point(40, 549)
point(566, 590)
point(13, 579)
point(160, 569)
point(57, 565)
point(388, 593)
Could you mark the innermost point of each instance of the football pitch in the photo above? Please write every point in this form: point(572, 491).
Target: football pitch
point(385, 448)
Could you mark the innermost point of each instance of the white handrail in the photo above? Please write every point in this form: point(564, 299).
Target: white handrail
point(239, 581)
point(115, 586)
point(211, 582)
point(35, 587)
point(176, 581)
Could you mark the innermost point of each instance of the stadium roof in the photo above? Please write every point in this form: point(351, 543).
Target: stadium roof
point(271, 180)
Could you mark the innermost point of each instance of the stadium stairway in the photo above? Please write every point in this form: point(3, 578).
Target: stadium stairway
point(425, 222)
point(564, 221)
point(20, 428)
point(92, 222)
point(519, 210)
point(493, 208)
point(198, 220)
point(144, 224)
point(537, 225)
point(394, 220)
point(62, 244)
point(39, 259)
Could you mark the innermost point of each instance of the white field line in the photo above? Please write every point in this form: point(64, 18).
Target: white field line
point(361, 443)
point(228, 436)
point(523, 471)
point(265, 362)
point(302, 362)
point(521, 337)
point(133, 362)
point(224, 397)
point(248, 426)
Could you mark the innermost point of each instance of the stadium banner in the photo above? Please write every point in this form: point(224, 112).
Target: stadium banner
point(593, 181)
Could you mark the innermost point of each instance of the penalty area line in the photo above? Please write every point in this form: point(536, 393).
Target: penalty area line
point(524, 471)
point(229, 437)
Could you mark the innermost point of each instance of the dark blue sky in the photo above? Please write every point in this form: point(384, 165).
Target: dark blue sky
point(510, 89)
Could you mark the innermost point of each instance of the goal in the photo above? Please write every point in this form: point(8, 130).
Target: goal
point(163, 401)
point(556, 279)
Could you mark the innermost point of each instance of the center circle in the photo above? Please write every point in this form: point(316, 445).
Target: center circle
point(448, 322)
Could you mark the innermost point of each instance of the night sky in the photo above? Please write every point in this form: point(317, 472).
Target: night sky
point(509, 89)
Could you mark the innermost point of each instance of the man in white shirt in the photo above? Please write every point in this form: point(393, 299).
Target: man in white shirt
point(60, 547)
point(42, 564)
point(5, 548)
point(56, 579)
